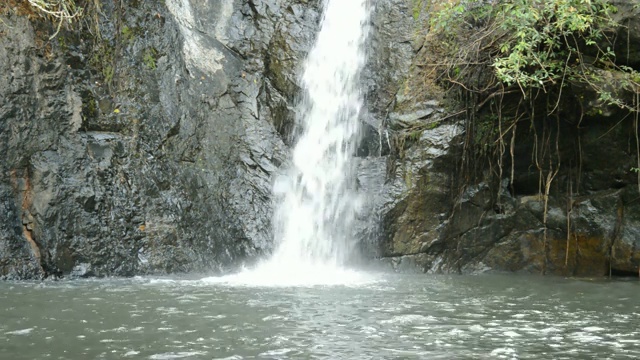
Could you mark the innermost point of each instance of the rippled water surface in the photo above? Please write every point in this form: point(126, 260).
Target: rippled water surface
point(384, 317)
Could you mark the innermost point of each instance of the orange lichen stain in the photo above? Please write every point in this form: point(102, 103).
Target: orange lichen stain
point(27, 232)
point(587, 255)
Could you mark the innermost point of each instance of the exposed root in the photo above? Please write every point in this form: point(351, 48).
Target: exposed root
point(61, 10)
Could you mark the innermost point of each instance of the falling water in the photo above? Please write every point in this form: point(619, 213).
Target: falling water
point(316, 198)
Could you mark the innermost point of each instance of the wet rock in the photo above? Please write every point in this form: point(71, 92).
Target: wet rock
point(370, 183)
point(81, 270)
point(154, 149)
point(590, 233)
point(150, 150)
point(420, 193)
point(418, 115)
point(452, 220)
point(627, 37)
point(409, 263)
point(394, 31)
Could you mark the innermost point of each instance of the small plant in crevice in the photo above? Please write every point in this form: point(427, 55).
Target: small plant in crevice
point(417, 9)
point(128, 34)
point(149, 58)
point(103, 59)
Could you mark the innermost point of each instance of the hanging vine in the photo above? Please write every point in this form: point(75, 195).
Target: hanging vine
point(513, 61)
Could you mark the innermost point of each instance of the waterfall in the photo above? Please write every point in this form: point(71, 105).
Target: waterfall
point(316, 197)
point(317, 200)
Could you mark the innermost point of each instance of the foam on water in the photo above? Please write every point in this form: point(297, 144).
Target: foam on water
point(270, 275)
point(20, 332)
point(176, 355)
point(316, 198)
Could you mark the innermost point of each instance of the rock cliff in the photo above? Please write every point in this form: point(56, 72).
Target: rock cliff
point(144, 138)
point(461, 210)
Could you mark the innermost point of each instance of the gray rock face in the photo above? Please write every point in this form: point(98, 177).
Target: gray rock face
point(438, 217)
point(591, 214)
point(395, 37)
point(149, 149)
point(439, 223)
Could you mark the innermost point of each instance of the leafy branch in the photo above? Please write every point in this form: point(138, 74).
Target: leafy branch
point(532, 44)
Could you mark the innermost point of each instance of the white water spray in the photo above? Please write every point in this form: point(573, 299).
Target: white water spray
point(316, 199)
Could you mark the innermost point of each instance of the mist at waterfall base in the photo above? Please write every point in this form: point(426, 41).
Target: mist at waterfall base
point(316, 200)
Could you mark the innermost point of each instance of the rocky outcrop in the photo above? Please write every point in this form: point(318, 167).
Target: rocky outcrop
point(144, 142)
point(590, 225)
point(144, 139)
point(442, 218)
point(396, 36)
